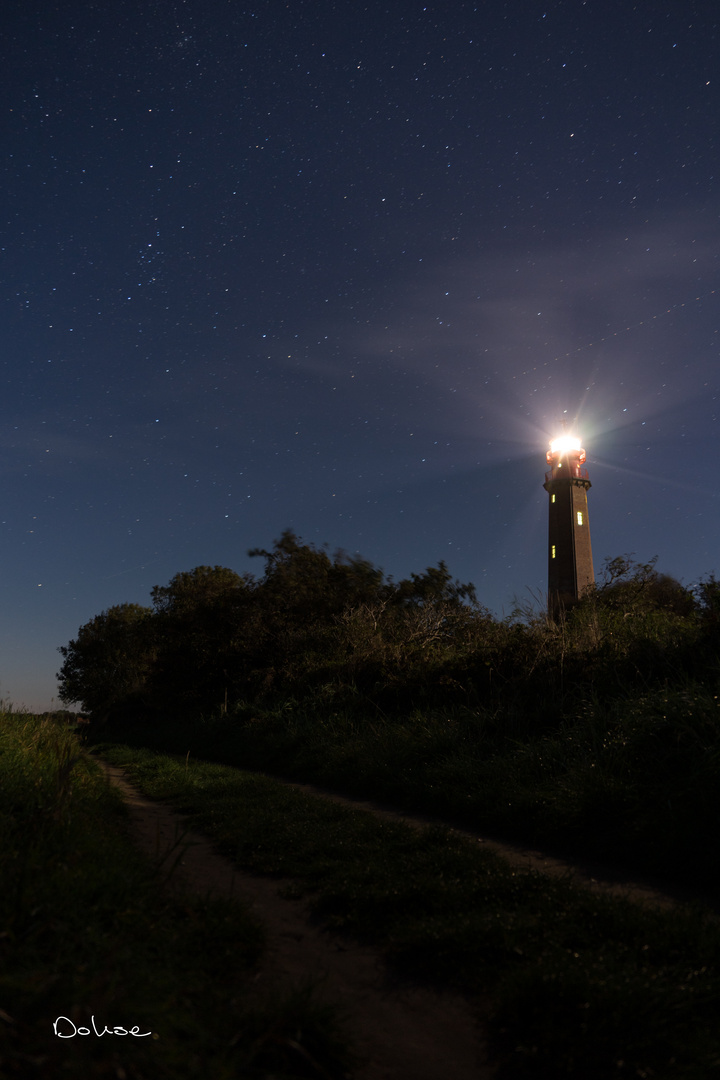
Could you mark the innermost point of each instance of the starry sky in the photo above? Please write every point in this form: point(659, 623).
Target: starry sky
point(345, 268)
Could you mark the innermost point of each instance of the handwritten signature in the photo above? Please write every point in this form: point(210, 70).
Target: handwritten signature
point(70, 1030)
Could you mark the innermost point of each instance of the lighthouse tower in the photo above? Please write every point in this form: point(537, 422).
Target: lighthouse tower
point(570, 565)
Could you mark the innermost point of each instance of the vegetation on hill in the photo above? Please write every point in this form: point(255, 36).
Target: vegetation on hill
point(567, 981)
point(597, 733)
point(311, 624)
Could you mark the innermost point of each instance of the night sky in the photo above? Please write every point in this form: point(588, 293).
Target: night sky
point(345, 268)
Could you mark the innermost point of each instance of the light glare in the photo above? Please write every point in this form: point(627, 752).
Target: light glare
point(563, 443)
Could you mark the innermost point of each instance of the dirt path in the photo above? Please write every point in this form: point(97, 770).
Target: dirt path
point(592, 874)
point(399, 1031)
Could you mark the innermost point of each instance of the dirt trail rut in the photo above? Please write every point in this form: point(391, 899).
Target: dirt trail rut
point(399, 1032)
point(593, 874)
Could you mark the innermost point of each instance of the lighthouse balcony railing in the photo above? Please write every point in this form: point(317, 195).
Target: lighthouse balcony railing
point(560, 474)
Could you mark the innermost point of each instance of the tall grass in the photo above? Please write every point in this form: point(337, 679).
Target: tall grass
point(86, 931)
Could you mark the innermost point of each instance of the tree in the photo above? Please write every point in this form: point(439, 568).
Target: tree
point(201, 622)
point(637, 587)
point(110, 660)
point(298, 602)
point(707, 594)
point(434, 588)
point(302, 579)
point(201, 589)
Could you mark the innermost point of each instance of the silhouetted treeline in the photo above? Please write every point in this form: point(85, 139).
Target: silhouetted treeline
point(334, 633)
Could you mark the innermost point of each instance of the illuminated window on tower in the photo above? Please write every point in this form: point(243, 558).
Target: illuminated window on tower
point(552, 498)
point(579, 517)
point(552, 552)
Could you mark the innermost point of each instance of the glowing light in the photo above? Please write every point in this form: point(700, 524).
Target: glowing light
point(564, 443)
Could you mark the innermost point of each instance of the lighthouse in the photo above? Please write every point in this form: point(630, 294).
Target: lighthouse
point(570, 565)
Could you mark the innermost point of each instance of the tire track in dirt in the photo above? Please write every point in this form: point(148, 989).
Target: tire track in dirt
point(399, 1031)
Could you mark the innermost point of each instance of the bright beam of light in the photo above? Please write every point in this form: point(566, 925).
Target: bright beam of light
point(563, 443)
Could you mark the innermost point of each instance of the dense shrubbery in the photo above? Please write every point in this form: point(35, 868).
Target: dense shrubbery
point(334, 632)
point(599, 730)
point(312, 624)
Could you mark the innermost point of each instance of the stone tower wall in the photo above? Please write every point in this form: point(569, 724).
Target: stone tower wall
point(570, 564)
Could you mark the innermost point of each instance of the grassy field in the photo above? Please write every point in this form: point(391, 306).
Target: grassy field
point(632, 780)
point(582, 985)
point(87, 932)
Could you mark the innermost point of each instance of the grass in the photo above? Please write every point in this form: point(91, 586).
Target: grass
point(86, 931)
point(634, 780)
point(581, 984)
